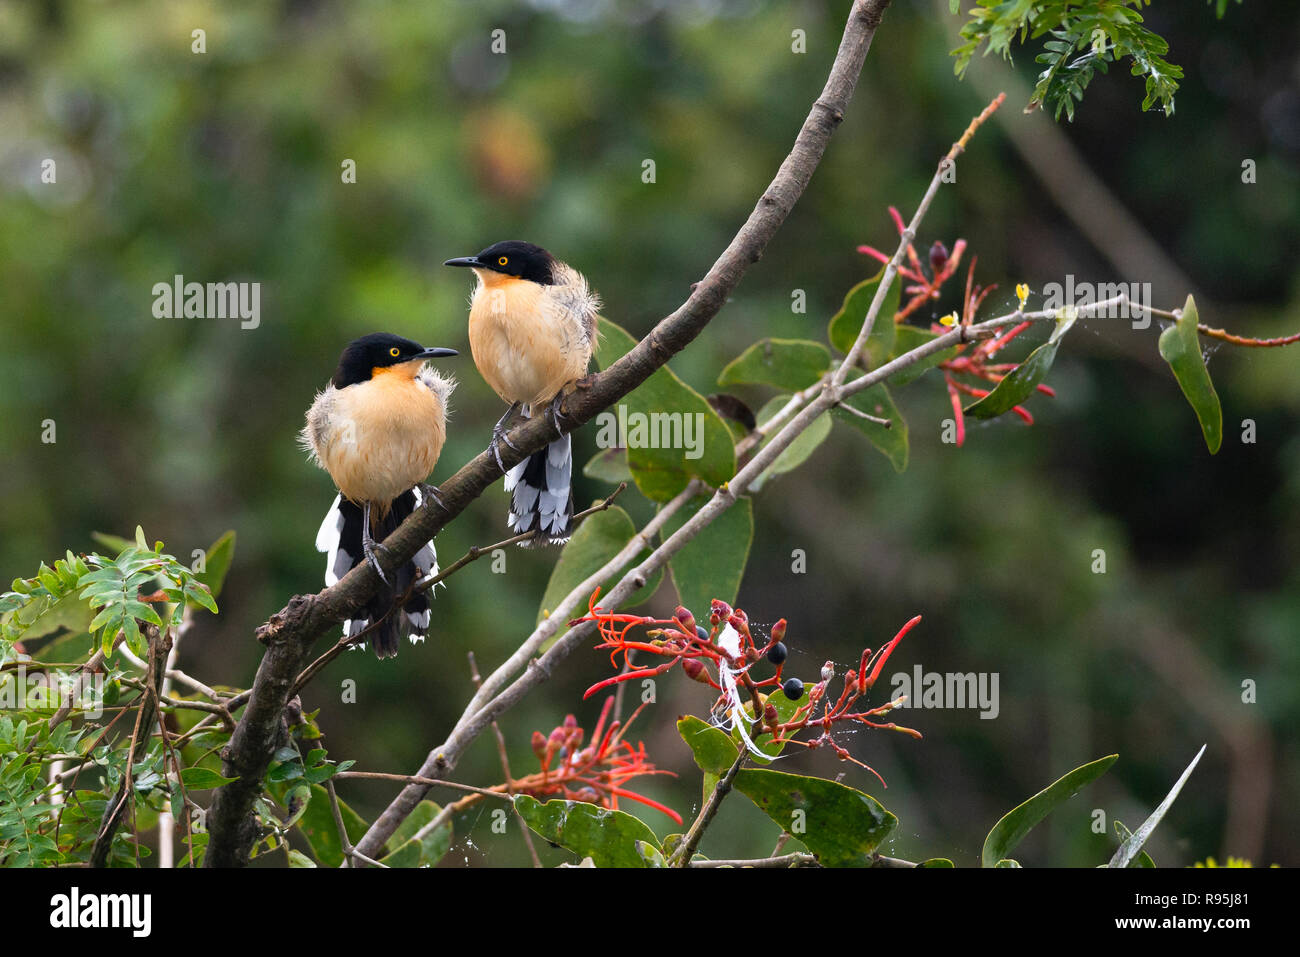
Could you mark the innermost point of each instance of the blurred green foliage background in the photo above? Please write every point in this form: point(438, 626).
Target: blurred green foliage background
point(226, 166)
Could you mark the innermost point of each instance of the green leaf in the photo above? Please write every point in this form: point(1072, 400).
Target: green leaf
point(798, 451)
point(200, 779)
point(847, 323)
point(1180, 346)
point(1021, 381)
point(713, 749)
point(877, 401)
point(609, 465)
point(1007, 862)
point(597, 539)
point(935, 862)
point(410, 852)
point(71, 612)
point(200, 596)
point(712, 564)
point(658, 412)
point(1129, 849)
point(216, 563)
point(789, 364)
point(842, 825)
point(1015, 824)
point(609, 838)
point(907, 338)
point(652, 856)
point(1143, 859)
point(299, 859)
point(317, 825)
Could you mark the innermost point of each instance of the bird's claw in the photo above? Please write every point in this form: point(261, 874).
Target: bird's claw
point(496, 452)
point(432, 491)
point(499, 436)
point(371, 550)
point(556, 416)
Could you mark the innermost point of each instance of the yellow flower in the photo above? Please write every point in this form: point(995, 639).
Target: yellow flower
point(949, 320)
point(1022, 293)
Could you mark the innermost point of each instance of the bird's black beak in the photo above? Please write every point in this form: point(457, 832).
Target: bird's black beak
point(463, 261)
point(437, 353)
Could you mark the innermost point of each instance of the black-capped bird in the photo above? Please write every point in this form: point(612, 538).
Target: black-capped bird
point(532, 329)
point(378, 428)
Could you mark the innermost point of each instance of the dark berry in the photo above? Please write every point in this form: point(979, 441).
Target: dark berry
point(703, 635)
point(777, 653)
point(793, 689)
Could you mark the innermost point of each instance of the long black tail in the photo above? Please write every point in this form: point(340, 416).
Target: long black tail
point(541, 490)
point(340, 538)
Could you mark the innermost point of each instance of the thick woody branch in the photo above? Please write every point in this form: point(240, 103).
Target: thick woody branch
point(291, 632)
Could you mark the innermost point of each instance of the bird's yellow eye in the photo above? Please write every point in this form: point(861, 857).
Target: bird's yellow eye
point(394, 352)
point(502, 261)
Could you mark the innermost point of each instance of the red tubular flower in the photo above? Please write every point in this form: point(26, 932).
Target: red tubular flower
point(971, 360)
point(598, 773)
point(742, 699)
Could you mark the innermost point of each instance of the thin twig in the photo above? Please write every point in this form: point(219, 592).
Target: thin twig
point(686, 850)
point(795, 859)
point(505, 759)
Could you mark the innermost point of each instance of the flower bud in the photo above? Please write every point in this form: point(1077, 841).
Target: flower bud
point(685, 618)
point(828, 671)
point(938, 257)
point(539, 745)
point(778, 631)
point(694, 669)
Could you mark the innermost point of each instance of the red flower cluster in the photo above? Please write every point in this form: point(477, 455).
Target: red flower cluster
point(595, 774)
point(972, 360)
point(729, 647)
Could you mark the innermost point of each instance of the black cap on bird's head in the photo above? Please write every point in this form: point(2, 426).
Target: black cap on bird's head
point(512, 258)
point(377, 352)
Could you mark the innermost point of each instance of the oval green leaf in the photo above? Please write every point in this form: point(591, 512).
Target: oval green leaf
point(790, 364)
point(216, 563)
point(608, 465)
point(1018, 822)
point(654, 422)
point(317, 825)
point(609, 838)
point(1021, 381)
point(847, 323)
point(712, 564)
point(410, 852)
point(843, 826)
point(1180, 346)
point(892, 441)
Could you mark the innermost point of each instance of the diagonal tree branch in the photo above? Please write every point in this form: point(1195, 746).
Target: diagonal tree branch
point(291, 632)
